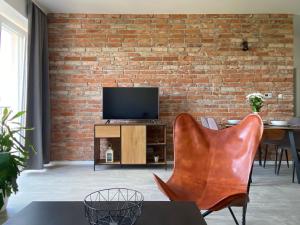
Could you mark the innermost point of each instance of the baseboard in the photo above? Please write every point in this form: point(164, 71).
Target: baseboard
point(34, 171)
point(67, 162)
point(170, 162)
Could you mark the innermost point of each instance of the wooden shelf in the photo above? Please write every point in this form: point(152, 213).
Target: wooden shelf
point(133, 143)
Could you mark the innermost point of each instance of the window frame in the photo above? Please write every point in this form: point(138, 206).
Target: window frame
point(22, 58)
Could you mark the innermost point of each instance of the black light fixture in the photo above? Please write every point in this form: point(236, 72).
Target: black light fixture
point(245, 45)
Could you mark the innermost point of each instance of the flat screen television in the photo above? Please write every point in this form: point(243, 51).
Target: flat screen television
point(130, 103)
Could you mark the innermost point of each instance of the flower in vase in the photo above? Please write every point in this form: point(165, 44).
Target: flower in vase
point(256, 101)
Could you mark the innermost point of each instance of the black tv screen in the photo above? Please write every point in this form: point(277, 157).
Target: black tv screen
point(130, 103)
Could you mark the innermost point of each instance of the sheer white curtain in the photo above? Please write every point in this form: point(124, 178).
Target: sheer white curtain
point(13, 41)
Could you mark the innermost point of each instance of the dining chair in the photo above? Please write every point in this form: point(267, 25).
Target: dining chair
point(212, 123)
point(204, 122)
point(295, 121)
point(212, 167)
point(275, 138)
point(285, 144)
point(209, 122)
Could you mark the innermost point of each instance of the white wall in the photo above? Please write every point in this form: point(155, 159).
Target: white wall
point(297, 62)
point(19, 5)
point(9, 13)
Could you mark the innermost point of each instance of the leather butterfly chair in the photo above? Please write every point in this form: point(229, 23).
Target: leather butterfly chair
point(212, 167)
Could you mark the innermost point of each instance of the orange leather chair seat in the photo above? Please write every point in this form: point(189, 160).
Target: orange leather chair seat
point(212, 167)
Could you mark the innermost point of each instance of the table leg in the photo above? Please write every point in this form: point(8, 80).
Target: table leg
point(260, 154)
point(295, 155)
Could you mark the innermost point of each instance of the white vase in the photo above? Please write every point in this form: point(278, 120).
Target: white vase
point(255, 113)
point(5, 204)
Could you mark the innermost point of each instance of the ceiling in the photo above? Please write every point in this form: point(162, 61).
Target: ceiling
point(170, 6)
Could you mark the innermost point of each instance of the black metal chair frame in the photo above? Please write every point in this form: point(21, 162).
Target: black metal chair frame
point(277, 164)
point(280, 160)
point(206, 213)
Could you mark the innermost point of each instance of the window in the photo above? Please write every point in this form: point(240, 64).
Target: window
point(13, 69)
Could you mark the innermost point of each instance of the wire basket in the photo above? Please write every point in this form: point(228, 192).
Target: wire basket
point(115, 206)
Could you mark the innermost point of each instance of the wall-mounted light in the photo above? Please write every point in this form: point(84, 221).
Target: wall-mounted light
point(245, 45)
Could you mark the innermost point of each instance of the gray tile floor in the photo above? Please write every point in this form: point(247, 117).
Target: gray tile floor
point(274, 199)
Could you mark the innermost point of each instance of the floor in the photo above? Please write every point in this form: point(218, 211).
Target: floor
point(274, 199)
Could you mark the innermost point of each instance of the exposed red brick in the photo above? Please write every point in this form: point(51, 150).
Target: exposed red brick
point(92, 58)
point(196, 60)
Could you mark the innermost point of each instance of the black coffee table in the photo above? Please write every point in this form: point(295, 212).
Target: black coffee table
point(72, 213)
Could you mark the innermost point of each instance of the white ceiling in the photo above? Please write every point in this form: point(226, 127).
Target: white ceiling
point(170, 6)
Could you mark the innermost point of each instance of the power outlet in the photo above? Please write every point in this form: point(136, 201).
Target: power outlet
point(268, 95)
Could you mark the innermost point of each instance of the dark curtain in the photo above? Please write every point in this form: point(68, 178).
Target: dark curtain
point(38, 99)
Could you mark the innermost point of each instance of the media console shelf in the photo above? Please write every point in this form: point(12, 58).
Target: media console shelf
point(133, 143)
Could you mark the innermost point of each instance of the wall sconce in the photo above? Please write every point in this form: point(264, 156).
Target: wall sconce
point(245, 45)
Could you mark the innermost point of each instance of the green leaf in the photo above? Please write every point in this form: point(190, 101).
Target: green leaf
point(8, 168)
point(17, 115)
point(9, 172)
point(6, 114)
point(13, 152)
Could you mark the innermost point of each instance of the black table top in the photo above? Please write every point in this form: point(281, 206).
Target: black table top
point(72, 213)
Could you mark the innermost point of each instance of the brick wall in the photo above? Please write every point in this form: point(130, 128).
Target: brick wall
point(196, 60)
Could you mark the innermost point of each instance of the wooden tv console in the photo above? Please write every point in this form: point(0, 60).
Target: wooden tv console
point(133, 143)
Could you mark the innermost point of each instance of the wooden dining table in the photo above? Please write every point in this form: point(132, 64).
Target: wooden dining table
point(291, 131)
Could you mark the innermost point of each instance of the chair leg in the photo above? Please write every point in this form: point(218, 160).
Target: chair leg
point(260, 155)
point(244, 214)
point(250, 178)
point(287, 158)
point(294, 170)
point(233, 216)
point(266, 154)
point(206, 213)
point(280, 159)
point(276, 158)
